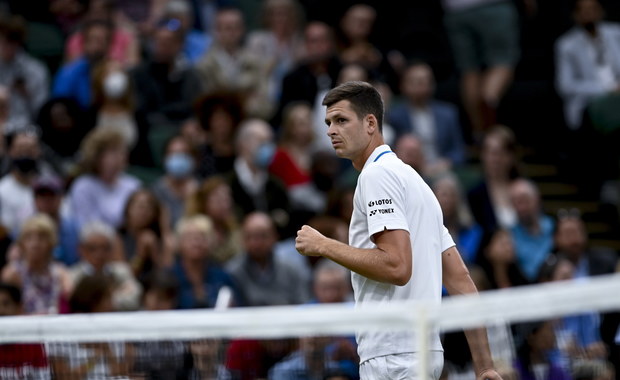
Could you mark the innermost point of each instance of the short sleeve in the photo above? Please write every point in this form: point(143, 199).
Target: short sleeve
point(383, 197)
point(446, 240)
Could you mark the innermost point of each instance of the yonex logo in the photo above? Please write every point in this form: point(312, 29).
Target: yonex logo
point(373, 212)
point(382, 211)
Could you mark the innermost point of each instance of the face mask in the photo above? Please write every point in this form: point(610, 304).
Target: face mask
point(115, 84)
point(264, 155)
point(25, 165)
point(179, 165)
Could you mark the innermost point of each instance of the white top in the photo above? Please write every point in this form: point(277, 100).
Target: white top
point(16, 203)
point(391, 195)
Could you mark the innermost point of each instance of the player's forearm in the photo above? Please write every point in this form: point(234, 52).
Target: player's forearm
point(372, 263)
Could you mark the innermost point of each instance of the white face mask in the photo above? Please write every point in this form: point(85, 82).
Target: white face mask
point(115, 84)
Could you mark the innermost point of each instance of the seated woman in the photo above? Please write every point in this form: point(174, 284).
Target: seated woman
point(45, 284)
point(144, 234)
point(100, 193)
point(214, 199)
point(199, 277)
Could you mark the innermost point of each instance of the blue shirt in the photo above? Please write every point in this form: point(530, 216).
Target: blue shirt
point(68, 240)
point(196, 45)
point(214, 278)
point(73, 81)
point(532, 250)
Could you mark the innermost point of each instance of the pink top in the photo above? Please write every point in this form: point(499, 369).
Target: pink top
point(120, 49)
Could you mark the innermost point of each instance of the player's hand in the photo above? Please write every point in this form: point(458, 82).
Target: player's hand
point(489, 374)
point(308, 241)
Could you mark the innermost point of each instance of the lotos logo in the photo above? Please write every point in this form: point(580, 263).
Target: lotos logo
point(380, 202)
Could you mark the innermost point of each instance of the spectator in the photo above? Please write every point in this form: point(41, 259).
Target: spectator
point(166, 85)
point(24, 162)
point(74, 78)
point(162, 359)
point(409, 149)
point(538, 338)
point(307, 362)
point(579, 333)
point(199, 276)
point(124, 47)
point(264, 278)
point(48, 198)
point(145, 235)
point(533, 232)
point(317, 72)
point(435, 122)
point(26, 78)
point(175, 187)
point(214, 199)
point(457, 217)
point(490, 199)
point(97, 244)
point(485, 43)
point(571, 241)
point(219, 116)
point(45, 284)
point(355, 44)
point(293, 157)
point(331, 283)
point(197, 42)
point(587, 60)
point(500, 254)
point(101, 192)
point(278, 44)
point(21, 359)
point(64, 124)
point(229, 66)
point(113, 101)
point(253, 188)
point(93, 294)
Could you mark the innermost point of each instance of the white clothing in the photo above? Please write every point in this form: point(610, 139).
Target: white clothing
point(123, 123)
point(391, 195)
point(401, 367)
point(16, 203)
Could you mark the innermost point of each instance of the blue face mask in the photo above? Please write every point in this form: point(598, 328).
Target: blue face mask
point(264, 155)
point(179, 165)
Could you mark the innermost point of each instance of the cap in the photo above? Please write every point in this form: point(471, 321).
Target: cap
point(48, 183)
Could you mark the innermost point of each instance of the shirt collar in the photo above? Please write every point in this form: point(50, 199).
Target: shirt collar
point(376, 153)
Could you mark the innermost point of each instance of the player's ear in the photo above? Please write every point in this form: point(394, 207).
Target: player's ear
point(371, 123)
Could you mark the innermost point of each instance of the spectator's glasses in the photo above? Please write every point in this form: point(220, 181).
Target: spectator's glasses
point(171, 24)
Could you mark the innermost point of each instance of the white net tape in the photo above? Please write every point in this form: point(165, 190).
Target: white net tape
point(454, 313)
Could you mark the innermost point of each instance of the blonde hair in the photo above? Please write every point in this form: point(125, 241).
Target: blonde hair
point(200, 222)
point(41, 223)
point(96, 143)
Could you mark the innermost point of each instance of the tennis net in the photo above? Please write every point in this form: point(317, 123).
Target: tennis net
point(315, 341)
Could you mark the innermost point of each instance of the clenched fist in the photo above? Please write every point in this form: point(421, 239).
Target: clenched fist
point(309, 241)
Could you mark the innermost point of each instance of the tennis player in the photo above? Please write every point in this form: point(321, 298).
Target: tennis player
point(398, 246)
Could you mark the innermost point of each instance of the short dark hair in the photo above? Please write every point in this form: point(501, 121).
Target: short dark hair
point(364, 99)
point(13, 28)
point(14, 293)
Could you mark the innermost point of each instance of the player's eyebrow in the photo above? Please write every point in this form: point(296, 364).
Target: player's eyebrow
point(334, 116)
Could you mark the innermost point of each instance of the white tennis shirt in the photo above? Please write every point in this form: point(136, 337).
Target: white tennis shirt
point(391, 195)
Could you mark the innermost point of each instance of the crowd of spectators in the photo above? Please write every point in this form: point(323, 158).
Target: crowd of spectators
point(155, 152)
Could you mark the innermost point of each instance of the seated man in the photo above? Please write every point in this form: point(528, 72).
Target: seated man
point(434, 122)
point(264, 278)
point(97, 244)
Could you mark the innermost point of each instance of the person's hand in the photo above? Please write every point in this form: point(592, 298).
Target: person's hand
point(488, 374)
point(308, 241)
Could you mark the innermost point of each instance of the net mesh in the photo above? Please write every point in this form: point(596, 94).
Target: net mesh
point(562, 329)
